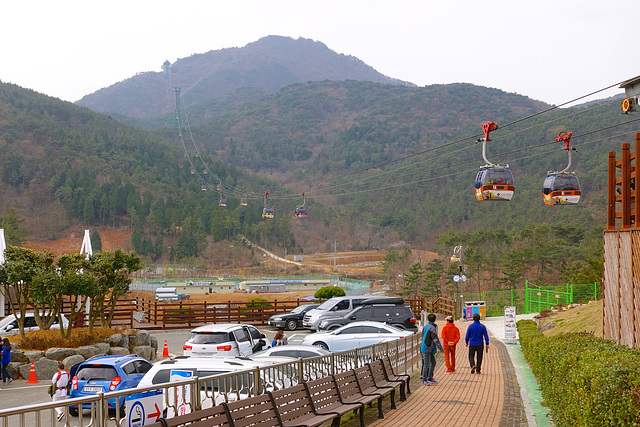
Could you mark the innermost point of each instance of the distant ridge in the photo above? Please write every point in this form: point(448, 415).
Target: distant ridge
point(270, 63)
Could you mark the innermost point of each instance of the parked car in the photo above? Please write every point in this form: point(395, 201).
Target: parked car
point(398, 315)
point(291, 350)
point(336, 307)
point(355, 335)
point(101, 374)
point(223, 339)
point(9, 325)
point(292, 320)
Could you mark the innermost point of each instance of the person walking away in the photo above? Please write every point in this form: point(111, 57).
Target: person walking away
point(429, 347)
point(278, 339)
point(60, 380)
point(450, 337)
point(6, 359)
point(476, 332)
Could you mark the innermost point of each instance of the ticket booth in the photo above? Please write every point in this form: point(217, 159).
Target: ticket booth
point(473, 307)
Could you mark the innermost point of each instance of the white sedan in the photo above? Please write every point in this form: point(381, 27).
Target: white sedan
point(355, 335)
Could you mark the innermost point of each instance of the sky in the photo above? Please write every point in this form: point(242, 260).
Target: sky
point(549, 50)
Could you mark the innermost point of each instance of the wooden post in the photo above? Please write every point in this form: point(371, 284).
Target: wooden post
point(611, 193)
point(626, 185)
point(636, 190)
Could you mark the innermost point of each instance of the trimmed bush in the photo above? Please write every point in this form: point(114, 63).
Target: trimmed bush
point(585, 381)
point(259, 302)
point(329, 292)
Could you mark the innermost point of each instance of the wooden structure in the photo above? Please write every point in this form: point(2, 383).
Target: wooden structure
point(622, 249)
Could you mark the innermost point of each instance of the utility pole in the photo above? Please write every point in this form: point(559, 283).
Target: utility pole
point(335, 253)
point(285, 260)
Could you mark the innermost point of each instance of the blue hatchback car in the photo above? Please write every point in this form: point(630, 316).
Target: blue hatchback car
point(104, 374)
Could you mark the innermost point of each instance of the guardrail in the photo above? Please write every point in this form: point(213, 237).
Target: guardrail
point(200, 393)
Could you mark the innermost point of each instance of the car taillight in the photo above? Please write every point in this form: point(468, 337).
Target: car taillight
point(114, 383)
point(224, 348)
point(187, 347)
point(74, 382)
point(412, 320)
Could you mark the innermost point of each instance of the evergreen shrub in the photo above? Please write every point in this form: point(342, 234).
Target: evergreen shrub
point(329, 292)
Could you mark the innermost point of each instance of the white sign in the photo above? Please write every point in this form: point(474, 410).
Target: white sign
point(456, 278)
point(143, 408)
point(510, 330)
point(182, 393)
point(464, 278)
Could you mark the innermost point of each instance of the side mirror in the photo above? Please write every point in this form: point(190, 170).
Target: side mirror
point(352, 318)
point(263, 336)
point(9, 327)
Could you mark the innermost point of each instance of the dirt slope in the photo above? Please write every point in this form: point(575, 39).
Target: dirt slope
point(583, 318)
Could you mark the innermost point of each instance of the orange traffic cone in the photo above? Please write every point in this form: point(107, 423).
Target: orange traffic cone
point(165, 350)
point(32, 375)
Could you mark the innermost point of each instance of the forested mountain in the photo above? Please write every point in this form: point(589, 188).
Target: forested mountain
point(269, 64)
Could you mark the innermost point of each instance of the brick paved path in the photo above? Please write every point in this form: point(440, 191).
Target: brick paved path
point(461, 398)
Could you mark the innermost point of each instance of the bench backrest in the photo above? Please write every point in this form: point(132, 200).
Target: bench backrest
point(377, 371)
point(253, 411)
point(364, 377)
point(323, 392)
point(292, 403)
point(216, 417)
point(388, 367)
point(347, 384)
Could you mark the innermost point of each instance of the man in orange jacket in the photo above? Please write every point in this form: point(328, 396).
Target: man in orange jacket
point(450, 337)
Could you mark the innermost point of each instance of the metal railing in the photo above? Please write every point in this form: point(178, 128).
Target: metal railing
point(201, 393)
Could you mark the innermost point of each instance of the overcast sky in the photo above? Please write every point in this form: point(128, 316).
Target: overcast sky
point(549, 50)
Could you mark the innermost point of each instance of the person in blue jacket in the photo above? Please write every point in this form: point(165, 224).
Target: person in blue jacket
point(476, 332)
point(6, 359)
point(430, 342)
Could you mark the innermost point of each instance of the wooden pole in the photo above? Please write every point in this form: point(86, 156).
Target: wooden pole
point(611, 193)
point(636, 190)
point(626, 185)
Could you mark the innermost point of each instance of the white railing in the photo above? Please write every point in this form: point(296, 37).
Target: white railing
point(201, 393)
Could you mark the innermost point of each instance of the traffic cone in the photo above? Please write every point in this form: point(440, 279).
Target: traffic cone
point(32, 375)
point(165, 350)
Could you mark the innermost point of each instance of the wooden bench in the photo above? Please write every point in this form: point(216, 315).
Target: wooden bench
point(214, 417)
point(392, 376)
point(369, 387)
point(257, 410)
point(326, 399)
point(349, 390)
point(380, 378)
point(295, 408)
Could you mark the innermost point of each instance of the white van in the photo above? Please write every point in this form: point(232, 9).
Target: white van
point(337, 307)
point(166, 294)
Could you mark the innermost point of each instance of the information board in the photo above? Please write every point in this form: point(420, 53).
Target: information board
point(510, 330)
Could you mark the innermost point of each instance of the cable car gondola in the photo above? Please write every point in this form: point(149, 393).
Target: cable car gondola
point(267, 211)
point(243, 201)
point(301, 211)
point(562, 187)
point(223, 202)
point(204, 186)
point(493, 182)
point(193, 171)
point(219, 187)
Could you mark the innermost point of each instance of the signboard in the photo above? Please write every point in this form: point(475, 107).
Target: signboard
point(143, 408)
point(456, 278)
point(510, 330)
point(182, 393)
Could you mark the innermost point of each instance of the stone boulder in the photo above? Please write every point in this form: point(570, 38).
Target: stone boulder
point(144, 351)
point(103, 347)
point(33, 355)
point(14, 369)
point(140, 316)
point(72, 360)
point(118, 351)
point(45, 368)
point(18, 356)
point(114, 340)
point(88, 351)
point(58, 354)
point(139, 339)
point(154, 343)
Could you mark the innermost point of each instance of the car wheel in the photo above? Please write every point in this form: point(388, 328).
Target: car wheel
point(73, 412)
point(321, 345)
point(291, 325)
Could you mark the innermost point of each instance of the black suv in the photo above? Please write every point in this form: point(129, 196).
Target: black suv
point(396, 314)
point(293, 319)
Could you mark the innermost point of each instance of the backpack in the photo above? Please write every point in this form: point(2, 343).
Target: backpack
point(68, 385)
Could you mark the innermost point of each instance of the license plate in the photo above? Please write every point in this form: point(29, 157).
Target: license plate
point(204, 354)
point(92, 389)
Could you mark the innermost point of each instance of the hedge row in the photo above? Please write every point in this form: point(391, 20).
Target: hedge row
point(585, 381)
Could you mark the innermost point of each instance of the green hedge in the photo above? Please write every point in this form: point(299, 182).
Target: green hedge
point(585, 381)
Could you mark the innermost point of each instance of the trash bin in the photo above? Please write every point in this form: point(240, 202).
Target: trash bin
point(473, 307)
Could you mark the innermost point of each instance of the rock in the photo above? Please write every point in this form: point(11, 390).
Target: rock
point(140, 316)
point(72, 360)
point(33, 355)
point(103, 347)
point(58, 354)
point(14, 369)
point(143, 351)
point(18, 356)
point(124, 342)
point(87, 351)
point(114, 340)
point(154, 343)
point(45, 368)
point(118, 351)
point(141, 338)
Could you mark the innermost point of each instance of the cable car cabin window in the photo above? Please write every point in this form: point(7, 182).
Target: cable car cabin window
point(496, 176)
point(561, 183)
point(301, 209)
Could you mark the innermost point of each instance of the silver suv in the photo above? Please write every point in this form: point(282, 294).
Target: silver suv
point(224, 339)
point(338, 307)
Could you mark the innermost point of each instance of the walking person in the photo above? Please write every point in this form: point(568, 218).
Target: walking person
point(429, 347)
point(5, 360)
point(476, 332)
point(60, 380)
point(450, 337)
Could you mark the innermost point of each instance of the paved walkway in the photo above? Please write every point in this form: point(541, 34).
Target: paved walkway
point(463, 399)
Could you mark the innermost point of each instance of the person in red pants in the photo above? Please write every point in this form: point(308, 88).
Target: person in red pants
point(450, 337)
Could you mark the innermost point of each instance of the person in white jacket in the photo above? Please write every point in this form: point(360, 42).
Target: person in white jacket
point(60, 380)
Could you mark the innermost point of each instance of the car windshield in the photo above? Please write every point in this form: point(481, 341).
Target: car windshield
point(209, 337)
point(327, 304)
point(96, 372)
point(299, 309)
